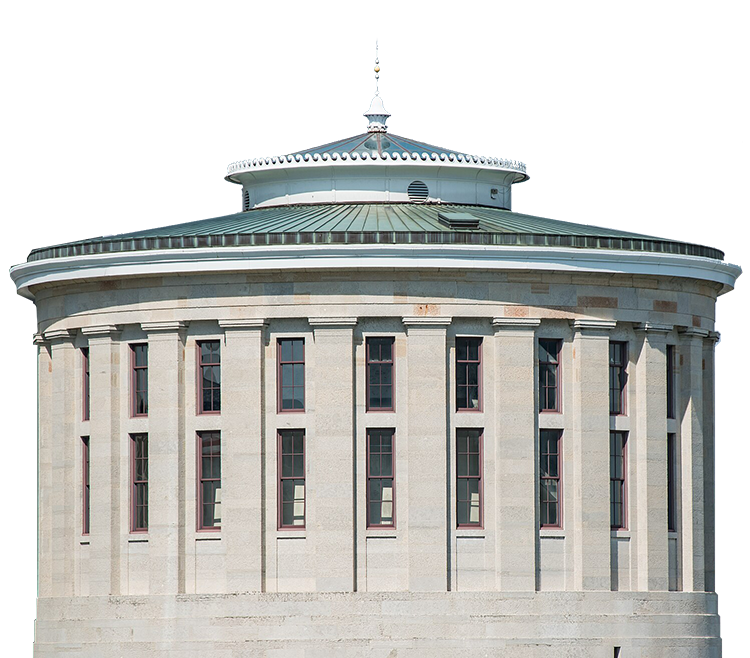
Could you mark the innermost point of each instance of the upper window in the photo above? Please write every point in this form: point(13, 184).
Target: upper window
point(209, 393)
point(139, 380)
point(618, 376)
point(550, 477)
point(291, 479)
point(670, 381)
point(618, 479)
point(380, 481)
point(379, 374)
point(209, 481)
point(549, 374)
point(469, 477)
point(468, 374)
point(139, 482)
point(291, 354)
point(85, 486)
point(86, 393)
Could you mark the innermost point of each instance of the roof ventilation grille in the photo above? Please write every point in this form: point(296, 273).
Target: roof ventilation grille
point(458, 220)
point(245, 200)
point(417, 191)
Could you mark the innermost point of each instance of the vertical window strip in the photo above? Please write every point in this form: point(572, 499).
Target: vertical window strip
point(379, 359)
point(670, 382)
point(468, 374)
point(85, 486)
point(550, 478)
point(618, 479)
point(291, 490)
point(209, 480)
point(469, 511)
point(86, 393)
point(209, 395)
point(139, 380)
point(139, 488)
point(549, 374)
point(618, 355)
point(381, 502)
point(291, 374)
point(671, 482)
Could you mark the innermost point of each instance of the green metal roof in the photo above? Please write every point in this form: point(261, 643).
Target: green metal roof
point(374, 223)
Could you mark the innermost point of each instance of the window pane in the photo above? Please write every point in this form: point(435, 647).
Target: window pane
point(286, 350)
point(462, 464)
point(287, 466)
point(298, 441)
point(298, 350)
point(386, 464)
point(298, 401)
point(473, 464)
point(299, 466)
point(375, 513)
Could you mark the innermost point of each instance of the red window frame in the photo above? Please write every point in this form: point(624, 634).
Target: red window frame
point(209, 370)
point(672, 482)
point(670, 382)
point(139, 380)
point(544, 374)
point(85, 486)
point(376, 368)
point(86, 384)
point(381, 468)
point(139, 482)
point(292, 470)
point(465, 476)
point(618, 377)
point(209, 479)
point(550, 472)
point(283, 381)
point(463, 392)
point(618, 480)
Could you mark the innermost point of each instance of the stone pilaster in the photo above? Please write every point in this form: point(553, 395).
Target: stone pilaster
point(516, 453)
point(429, 484)
point(58, 524)
point(105, 445)
point(709, 459)
point(331, 509)
point(589, 436)
point(166, 455)
point(243, 453)
point(690, 410)
point(648, 450)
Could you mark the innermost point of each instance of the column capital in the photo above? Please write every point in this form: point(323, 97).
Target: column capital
point(55, 336)
point(39, 340)
point(101, 331)
point(426, 321)
point(524, 325)
point(164, 326)
point(714, 336)
point(244, 324)
point(652, 327)
point(694, 332)
point(332, 322)
point(593, 325)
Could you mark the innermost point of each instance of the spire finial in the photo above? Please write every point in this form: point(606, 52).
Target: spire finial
point(377, 69)
point(377, 114)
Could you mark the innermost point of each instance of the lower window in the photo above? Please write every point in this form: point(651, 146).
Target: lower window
point(291, 478)
point(618, 479)
point(139, 482)
point(380, 480)
point(469, 477)
point(209, 480)
point(550, 478)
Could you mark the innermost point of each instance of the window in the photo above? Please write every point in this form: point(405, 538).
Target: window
point(209, 394)
point(139, 380)
point(139, 482)
point(85, 486)
point(550, 474)
point(209, 481)
point(379, 374)
point(618, 356)
point(618, 479)
point(86, 399)
point(468, 373)
point(291, 353)
point(469, 477)
point(292, 479)
point(549, 375)
point(670, 381)
point(380, 481)
point(671, 482)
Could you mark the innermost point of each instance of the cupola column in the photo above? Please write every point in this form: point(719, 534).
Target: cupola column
point(429, 485)
point(516, 453)
point(589, 436)
point(243, 431)
point(166, 455)
point(105, 455)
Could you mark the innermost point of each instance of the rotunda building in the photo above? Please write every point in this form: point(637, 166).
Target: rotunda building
point(376, 413)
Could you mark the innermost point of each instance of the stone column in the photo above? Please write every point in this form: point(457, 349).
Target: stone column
point(105, 443)
point(648, 492)
point(516, 453)
point(429, 483)
point(242, 446)
point(166, 455)
point(330, 451)
point(58, 525)
point(690, 410)
point(709, 465)
point(589, 436)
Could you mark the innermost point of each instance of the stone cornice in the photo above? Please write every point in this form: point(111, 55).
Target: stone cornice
point(528, 324)
point(652, 327)
point(164, 326)
point(247, 323)
point(54, 335)
point(100, 331)
point(39, 339)
point(332, 322)
point(593, 325)
point(426, 321)
point(694, 332)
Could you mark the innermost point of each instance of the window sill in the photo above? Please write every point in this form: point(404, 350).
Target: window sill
point(552, 532)
point(620, 534)
point(476, 533)
point(138, 539)
point(290, 533)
